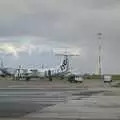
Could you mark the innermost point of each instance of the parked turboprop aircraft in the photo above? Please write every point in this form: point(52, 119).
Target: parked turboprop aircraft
point(41, 73)
point(62, 70)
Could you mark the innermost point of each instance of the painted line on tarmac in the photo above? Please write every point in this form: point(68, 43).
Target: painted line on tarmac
point(45, 88)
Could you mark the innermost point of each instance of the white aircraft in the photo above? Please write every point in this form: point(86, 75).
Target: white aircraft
point(7, 71)
point(62, 70)
point(41, 73)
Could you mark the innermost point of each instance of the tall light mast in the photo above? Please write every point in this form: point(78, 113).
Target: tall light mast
point(99, 53)
point(2, 64)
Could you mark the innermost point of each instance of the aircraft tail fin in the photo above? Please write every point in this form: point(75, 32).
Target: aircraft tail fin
point(64, 67)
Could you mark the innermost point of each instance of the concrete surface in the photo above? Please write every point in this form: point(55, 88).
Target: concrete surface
point(43, 100)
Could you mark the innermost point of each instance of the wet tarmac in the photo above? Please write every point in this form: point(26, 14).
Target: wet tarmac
point(56, 101)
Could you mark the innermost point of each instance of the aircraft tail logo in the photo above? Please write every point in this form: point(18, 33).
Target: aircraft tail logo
point(65, 64)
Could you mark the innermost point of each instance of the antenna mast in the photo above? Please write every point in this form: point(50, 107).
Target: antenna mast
point(99, 53)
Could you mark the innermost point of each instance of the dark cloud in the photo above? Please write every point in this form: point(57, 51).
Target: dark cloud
point(71, 23)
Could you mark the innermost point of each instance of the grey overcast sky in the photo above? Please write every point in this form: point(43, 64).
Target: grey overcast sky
point(31, 30)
